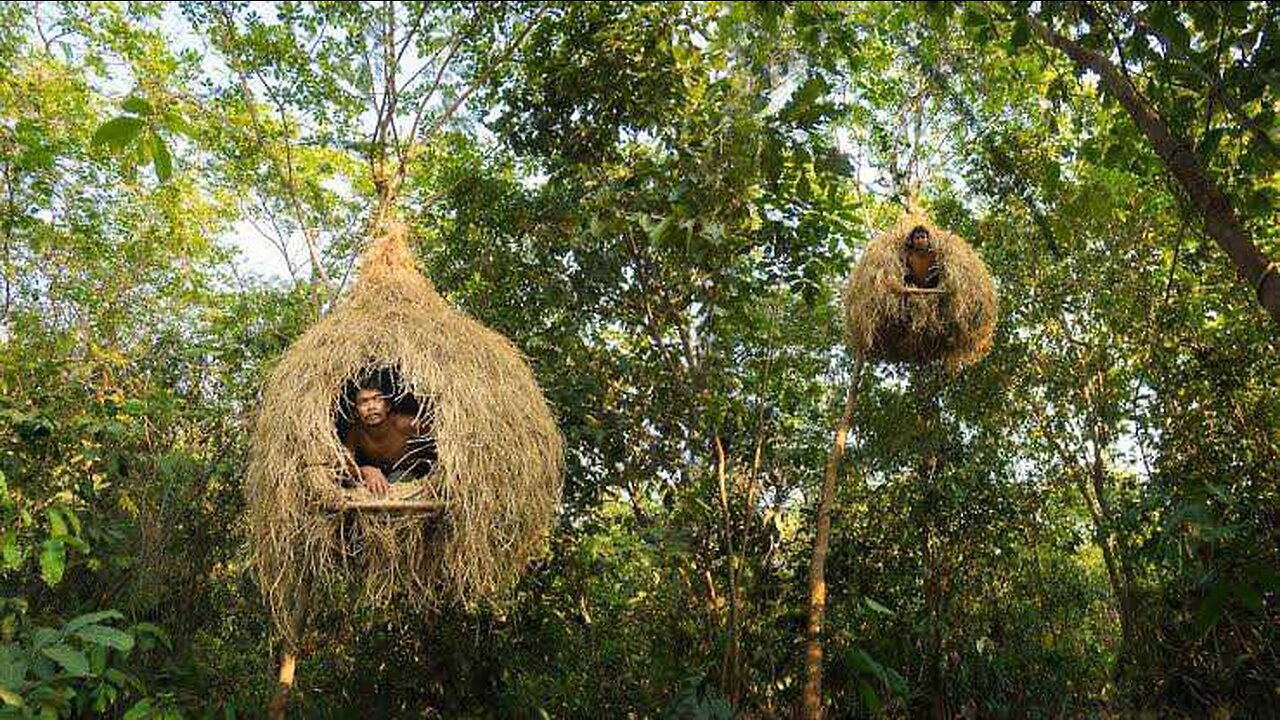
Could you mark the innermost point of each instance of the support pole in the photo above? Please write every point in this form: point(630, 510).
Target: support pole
point(288, 664)
point(288, 657)
point(812, 698)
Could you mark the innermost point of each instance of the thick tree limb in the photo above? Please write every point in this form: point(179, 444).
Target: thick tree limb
point(1220, 220)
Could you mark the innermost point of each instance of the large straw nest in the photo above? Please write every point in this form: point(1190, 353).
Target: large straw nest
point(884, 323)
point(499, 467)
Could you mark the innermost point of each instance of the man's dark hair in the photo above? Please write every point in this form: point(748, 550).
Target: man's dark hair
point(370, 379)
point(379, 380)
point(385, 380)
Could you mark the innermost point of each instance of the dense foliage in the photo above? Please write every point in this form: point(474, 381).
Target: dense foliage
point(658, 203)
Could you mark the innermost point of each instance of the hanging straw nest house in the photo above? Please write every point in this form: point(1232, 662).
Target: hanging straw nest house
point(888, 320)
point(464, 532)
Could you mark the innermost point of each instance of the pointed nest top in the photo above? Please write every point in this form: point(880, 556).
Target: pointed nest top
point(500, 455)
point(886, 321)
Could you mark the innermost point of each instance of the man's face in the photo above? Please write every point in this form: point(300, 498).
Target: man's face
point(919, 239)
point(371, 406)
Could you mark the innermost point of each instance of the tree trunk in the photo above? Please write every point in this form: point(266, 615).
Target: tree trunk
point(289, 657)
point(1220, 221)
point(288, 664)
point(1123, 580)
point(812, 698)
point(1102, 537)
point(932, 564)
point(731, 667)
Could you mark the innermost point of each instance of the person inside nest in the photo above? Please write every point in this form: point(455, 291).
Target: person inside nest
point(385, 444)
point(921, 260)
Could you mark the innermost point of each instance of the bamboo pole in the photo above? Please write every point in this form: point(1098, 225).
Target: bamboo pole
point(426, 507)
point(812, 698)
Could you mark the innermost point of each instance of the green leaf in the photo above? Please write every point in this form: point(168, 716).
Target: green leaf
point(43, 636)
point(10, 697)
point(139, 711)
point(1177, 34)
point(812, 89)
point(9, 549)
point(973, 19)
point(141, 154)
point(1209, 143)
point(123, 679)
point(896, 682)
point(13, 667)
point(72, 660)
point(108, 636)
point(877, 606)
point(92, 618)
point(53, 701)
point(137, 105)
point(97, 657)
point(657, 231)
point(174, 122)
point(1249, 597)
point(118, 133)
point(163, 160)
point(53, 561)
point(1021, 34)
point(146, 630)
point(43, 669)
point(1213, 606)
point(864, 662)
point(73, 520)
point(869, 696)
point(57, 523)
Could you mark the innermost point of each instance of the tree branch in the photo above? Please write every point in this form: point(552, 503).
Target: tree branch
point(286, 174)
point(1220, 220)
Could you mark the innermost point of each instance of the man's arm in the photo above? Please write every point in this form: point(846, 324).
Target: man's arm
point(369, 476)
point(349, 457)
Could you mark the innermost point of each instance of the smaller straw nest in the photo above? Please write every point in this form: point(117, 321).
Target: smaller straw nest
point(884, 323)
point(499, 468)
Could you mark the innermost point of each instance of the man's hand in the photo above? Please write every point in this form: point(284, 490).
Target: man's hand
point(374, 480)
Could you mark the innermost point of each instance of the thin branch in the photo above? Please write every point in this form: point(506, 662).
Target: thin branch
point(412, 33)
point(475, 85)
point(456, 42)
point(285, 174)
point(1213, 83)
point(1016, 183)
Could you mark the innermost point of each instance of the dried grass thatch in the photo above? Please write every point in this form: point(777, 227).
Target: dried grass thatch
point(883, 322)
point(498, 473)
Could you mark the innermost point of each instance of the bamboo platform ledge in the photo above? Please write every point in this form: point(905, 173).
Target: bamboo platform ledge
point(425, 507)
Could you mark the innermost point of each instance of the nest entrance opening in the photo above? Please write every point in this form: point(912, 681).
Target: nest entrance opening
point(921, 269)
point(386, 429)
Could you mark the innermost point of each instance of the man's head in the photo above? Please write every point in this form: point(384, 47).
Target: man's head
point(918, 239)
point(371, 402)
point(371, 406)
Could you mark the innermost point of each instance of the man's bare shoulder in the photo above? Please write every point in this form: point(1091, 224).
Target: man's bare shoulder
point(354, 436)
point(406, 424)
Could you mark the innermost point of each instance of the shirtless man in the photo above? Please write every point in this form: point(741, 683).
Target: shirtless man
point(921, 259)
point(385, 446)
